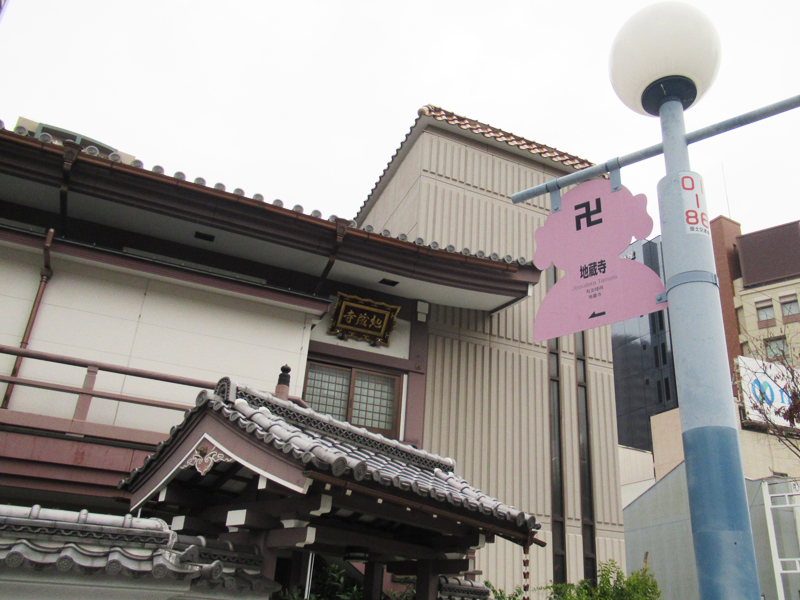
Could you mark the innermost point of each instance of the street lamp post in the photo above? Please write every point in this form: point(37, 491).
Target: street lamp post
point(662, 60)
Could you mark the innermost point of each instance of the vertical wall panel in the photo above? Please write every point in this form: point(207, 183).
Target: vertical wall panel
point(574, 555)
point(612, 548)
point(487, 404)
point(605, 464)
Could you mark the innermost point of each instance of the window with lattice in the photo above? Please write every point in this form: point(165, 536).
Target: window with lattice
point(361, 397)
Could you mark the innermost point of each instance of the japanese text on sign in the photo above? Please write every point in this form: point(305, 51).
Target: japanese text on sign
point(363, 319)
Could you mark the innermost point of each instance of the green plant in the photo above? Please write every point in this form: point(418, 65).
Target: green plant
point(330, 582)
point(409, 593)
point(611, 585)
point(335, 586)
point(502, 594)
point(294, 594)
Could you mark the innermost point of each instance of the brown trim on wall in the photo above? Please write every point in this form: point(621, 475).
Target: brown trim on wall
point(417, 383)
point(81, 428)
point(63, 487)
point(361, 358)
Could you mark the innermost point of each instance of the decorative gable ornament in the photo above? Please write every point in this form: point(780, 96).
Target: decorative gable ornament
point(204, 457)
point(361, 319)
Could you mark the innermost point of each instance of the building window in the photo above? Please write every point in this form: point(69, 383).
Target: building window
point(790, 310)
point(766, 314)
point(361, 397)
point(585, 464)
point(557, 469)
point(777, 349)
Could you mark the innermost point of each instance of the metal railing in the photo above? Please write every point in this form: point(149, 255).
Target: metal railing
point(88, 392)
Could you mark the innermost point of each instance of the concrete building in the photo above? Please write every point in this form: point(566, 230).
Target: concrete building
point(644, 372)
point(151, 284)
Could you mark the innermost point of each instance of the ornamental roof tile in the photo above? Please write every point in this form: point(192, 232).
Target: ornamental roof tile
point(429, 111)
point(318, 441)
point(499, 135)
point(107, 545)
point(459, 588)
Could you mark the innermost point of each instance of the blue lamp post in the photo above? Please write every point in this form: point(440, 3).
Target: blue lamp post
point(662, 61)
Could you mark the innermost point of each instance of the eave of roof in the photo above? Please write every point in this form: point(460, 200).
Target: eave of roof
point(320, 443)
point(434, 116)
point(97, 179)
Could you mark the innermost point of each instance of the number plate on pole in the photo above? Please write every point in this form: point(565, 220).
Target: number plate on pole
point(695, 210)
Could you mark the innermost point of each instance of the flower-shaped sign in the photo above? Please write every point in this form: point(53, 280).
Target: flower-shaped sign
point(586, 238)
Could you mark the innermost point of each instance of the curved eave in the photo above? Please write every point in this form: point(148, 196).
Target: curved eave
point(117, 195)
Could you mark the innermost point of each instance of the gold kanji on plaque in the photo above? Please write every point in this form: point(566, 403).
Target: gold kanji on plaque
point(363, 319)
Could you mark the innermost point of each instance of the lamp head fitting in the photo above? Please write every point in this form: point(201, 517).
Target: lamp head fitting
point(673, 87)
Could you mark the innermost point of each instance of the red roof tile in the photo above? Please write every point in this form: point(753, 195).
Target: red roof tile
point(478, 128)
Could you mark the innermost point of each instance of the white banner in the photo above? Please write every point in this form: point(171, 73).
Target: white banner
point(762, 389)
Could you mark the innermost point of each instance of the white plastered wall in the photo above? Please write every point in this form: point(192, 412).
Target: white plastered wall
point(96, 313)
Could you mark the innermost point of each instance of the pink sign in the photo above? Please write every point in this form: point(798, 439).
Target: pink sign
point(585, 239)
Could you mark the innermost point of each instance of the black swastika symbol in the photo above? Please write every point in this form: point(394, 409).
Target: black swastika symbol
point(587, 214)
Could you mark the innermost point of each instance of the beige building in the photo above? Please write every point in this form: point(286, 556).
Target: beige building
point(509, 409)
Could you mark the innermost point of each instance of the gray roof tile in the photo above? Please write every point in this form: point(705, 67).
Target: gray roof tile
point(96, 544)
point(324, 443)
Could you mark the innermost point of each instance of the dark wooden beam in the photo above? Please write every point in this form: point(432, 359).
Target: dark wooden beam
point(373, 580)
point(442, 511)
point(298, 507)
point(399, 514)
point(294, 537)
point(185, 498)
point(251, 519)
point(438, 567)
point(460, 543)
point(195, 525)
point(378, 545)
point(427, 581)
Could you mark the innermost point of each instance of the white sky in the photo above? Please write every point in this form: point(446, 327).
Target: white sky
point(307, 101)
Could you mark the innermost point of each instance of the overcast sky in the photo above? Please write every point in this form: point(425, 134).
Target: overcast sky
point(308, 101)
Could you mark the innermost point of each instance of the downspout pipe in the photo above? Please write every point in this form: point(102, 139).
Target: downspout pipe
point(341, 231)
point(46, 274)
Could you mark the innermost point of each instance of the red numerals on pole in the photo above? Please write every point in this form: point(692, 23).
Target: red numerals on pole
point(694, 217)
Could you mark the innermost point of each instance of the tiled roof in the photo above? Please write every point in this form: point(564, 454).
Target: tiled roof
point(458, 588)
point(297, 209)
point(102, 545)
point(504, 136)
point(318, 441)
point(487, 131)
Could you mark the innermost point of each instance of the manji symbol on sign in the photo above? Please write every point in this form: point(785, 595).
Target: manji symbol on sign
point(585, 239)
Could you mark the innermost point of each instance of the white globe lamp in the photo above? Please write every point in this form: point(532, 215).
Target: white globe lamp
point(666, 50)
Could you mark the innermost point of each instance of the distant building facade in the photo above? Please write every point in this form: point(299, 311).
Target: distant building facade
point(759, 282)
point(763, 319)
point(644, 374)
